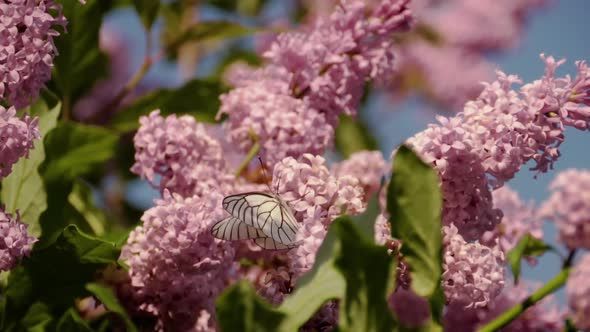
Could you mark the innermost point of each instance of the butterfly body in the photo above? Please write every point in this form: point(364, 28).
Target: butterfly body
point(263, 217)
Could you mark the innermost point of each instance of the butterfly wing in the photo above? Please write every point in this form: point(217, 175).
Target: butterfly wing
point(264, 212)
point(232, 228)
point(270, 244)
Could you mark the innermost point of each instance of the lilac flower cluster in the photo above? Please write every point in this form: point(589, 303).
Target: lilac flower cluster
point(179, 151)
point(410, 309)
point(473, 274)
point(578, 293)
point(313, 76)
point(368, 167)
point(451, 37)
point(495, 135)
point(433, 70)
point(176, 233)
point(518, 219)
point(16, 138)
point(317, 197)
point(15, 243)
point(285, 126)
point(455, 38)
point(176, 266)
point(27, 52)
point(569, 207)
point(291, 107)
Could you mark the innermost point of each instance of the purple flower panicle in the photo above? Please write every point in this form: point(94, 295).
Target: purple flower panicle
point(16, 138)
point(15, 243)
point(569, 207)
point(292, 105)
point(473, 273)
point(27, 52)
point(578, 294)
point(177, 268)
point(180, 152)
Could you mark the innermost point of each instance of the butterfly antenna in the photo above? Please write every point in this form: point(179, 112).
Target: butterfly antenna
point(266, 178)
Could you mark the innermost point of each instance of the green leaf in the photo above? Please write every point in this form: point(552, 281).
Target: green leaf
point(199, 98)
point(72, 322)
point(529, 246)
point(82, 200)
point(37, 317)
point(107, 296)
point(414, 202)
point(240, 309)
point(205, 31)
point(318, 286)
point(80, 62)
point(569, 326)
point(147, 11)
point(369, 272)
point(73, 150)
point(244, 7)
point(55, 275)
point(23, 189)
point(353, 136)
point(349, 266)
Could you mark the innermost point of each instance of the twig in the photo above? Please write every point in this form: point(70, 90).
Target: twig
point(253, 152)
point(557, 282)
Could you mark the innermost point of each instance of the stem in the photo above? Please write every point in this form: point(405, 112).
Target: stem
point(253, 152)
point(569, 260)
point(145, 67)
point(135, 79)
point(557, 282)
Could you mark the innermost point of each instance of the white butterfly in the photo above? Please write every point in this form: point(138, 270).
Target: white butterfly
point(265, 218)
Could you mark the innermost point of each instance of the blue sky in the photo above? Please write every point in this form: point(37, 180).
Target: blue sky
point(559, 29)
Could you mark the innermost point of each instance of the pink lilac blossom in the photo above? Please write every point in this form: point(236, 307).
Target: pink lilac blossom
point(27, 52)
point(176, 267)
point(467, 200)
point(292, 105)
point(481, 25)
point(316, 197)
point(368, 167)
point(578, 294)
point(16, 138)
point(473, 273)
point(180, 152)
point(383, 237)
point(435, 68)
point(382, 229)
point(495, 135)
point(518, 219)
point(464, 32)
point(332, 61)
point(285, 126)
point(451, 36)
point(15, 243)
point(569, 207)
point(410, 309)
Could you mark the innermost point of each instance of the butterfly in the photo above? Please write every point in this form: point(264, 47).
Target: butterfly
point(265, 218)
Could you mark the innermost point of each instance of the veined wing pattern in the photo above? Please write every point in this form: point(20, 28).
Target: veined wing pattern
point(265, 218)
